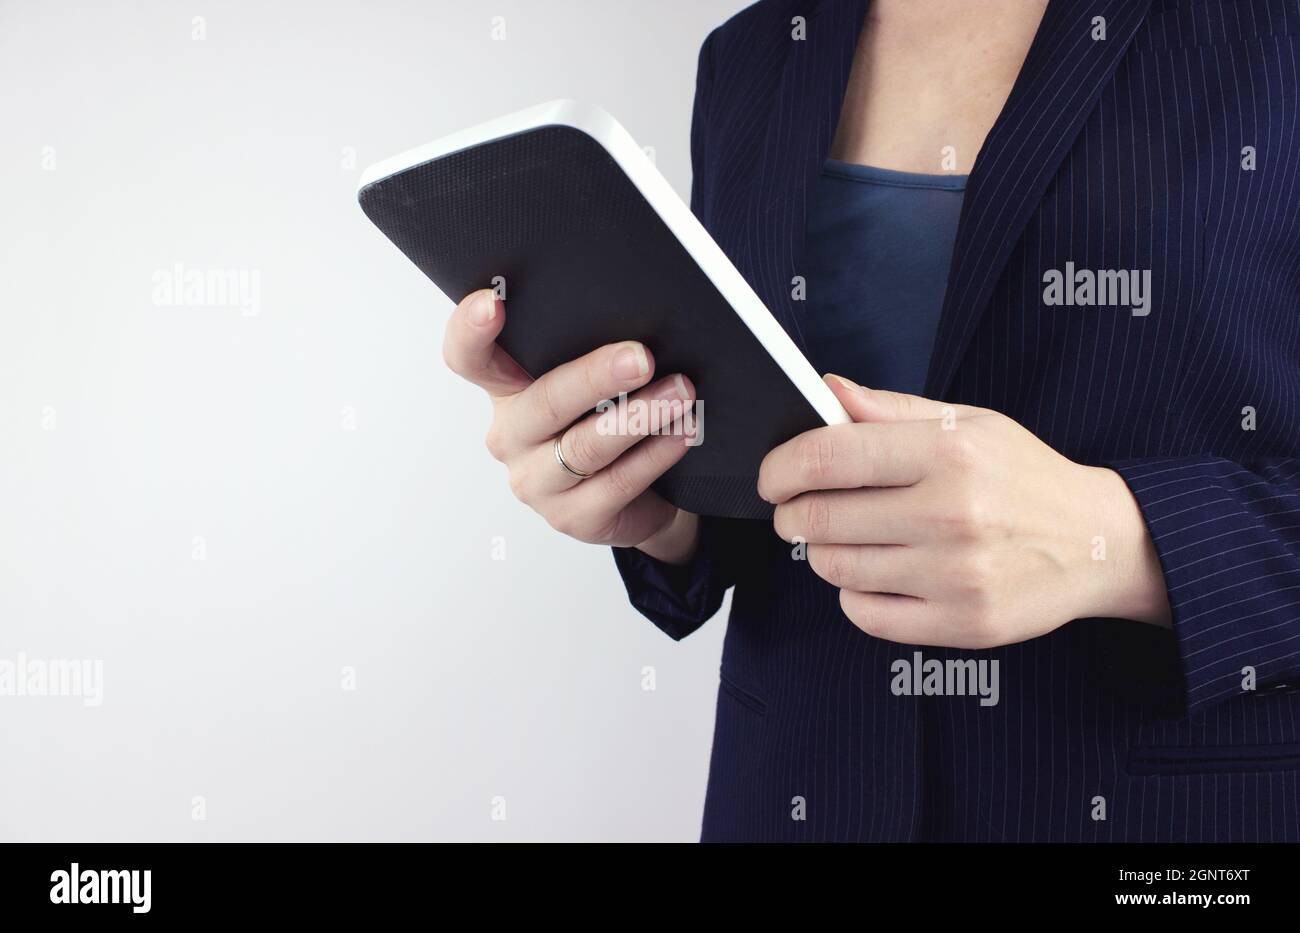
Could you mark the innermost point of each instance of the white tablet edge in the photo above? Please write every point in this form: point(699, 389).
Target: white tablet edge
point(611, 135)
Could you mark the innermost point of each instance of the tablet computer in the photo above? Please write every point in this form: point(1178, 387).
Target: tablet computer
point(558, 206)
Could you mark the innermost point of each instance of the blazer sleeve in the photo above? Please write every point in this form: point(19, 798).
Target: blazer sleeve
point(679, 599)
point(1228, 538)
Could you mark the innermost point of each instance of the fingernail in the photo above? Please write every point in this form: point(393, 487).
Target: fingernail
point(630, 362)
point(484, 309)
point(848, 384)
point(679, 384)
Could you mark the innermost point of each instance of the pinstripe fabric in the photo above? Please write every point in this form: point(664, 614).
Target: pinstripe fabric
point(1117, 154)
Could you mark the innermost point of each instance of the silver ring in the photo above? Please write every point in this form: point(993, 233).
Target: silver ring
point(559, 458)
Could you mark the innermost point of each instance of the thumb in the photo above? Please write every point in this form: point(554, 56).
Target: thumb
point(872, 405)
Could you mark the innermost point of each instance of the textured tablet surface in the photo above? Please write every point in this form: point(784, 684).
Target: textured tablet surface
point(587, 261)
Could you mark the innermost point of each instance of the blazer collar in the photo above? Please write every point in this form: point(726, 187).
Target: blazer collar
point(799, 130)
point(1058, 87)
point(1063, 75)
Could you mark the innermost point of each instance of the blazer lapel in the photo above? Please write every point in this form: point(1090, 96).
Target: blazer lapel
point(798, 135)
point(1057, 89)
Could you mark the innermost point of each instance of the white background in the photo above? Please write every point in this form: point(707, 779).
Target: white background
point(129, 429)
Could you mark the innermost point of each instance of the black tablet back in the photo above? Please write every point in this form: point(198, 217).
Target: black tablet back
point(587, 261)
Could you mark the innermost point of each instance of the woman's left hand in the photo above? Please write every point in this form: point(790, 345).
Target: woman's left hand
point(954, 526)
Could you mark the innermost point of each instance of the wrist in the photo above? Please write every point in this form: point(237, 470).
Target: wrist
point(676, 542)
point(1125, 579)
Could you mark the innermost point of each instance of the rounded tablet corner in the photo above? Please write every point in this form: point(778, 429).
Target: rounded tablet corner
point(590, 119)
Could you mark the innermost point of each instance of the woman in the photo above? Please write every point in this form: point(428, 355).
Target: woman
point(1047, 585)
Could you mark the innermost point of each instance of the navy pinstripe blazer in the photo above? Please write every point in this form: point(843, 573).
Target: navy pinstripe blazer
point(1128, 152)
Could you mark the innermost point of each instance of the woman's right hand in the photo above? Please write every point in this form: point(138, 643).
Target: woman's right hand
point(612, 506)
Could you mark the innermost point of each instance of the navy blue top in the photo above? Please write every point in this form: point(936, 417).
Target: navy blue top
point(879, 245)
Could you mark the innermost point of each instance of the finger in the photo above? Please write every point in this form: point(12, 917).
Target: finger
point(904, 620)
point(875, 405)
point(856, 516)
point(629, 476)
point(888, 568)
point(849, 456)
point(470, 350)
point(570, 390)
point(601, 438)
